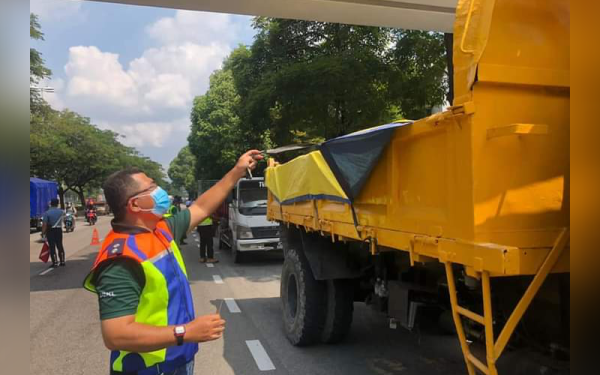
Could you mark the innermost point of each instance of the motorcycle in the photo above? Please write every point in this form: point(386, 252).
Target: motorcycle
point(91, 217)
point(69, 222)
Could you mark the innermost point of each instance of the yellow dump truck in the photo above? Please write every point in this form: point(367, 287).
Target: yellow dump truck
point(466, 211)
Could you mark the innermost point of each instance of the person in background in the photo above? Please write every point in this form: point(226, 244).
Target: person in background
point(71, 209)
point(206, 233)
point(173, 210)
point(52, 230)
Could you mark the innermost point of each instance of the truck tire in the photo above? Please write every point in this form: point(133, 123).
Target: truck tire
point(237, 256)
point(339, 310)
point(302, 299)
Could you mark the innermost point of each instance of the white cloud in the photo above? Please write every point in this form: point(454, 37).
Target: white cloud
point(55, 9)
point(195, 27)
point(149, 98)
point(161, 83)
point(99, 76)
point(153, 134)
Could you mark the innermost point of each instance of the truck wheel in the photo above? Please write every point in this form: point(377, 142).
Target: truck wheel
point(237, 255)
point(340, 307)
point(303, 300)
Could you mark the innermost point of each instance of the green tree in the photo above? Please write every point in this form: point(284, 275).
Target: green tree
point(419, 79)
point(324, 80)
point(216, 138)
point(303, 81)
point(37, 69)
point(182, 171)
point(67, 148)
point(320, 78)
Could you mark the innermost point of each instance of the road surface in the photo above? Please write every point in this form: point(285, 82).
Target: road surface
point(65, 334)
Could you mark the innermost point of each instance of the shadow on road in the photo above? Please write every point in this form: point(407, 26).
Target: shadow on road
point(370, 347)
point(69, 277)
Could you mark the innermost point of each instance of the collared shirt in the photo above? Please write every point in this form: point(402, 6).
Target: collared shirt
point(53, 218)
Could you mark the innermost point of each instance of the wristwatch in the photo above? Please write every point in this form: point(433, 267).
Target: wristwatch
point(179, 332)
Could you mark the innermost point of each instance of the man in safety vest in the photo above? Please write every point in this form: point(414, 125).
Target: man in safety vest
point(206, 233)
point(145, 302)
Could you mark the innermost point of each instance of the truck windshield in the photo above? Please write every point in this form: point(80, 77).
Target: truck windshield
point(253, 198)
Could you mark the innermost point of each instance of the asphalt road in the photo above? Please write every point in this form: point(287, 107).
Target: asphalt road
point(65, 335)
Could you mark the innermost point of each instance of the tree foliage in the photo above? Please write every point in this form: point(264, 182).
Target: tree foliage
point(65, 147)
point(419, 80)
point(304, 81)
point(217, 138)
point(37, 69)
point(320, 78)
point(182, 171)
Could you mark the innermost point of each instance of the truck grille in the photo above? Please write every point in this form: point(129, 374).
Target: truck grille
point(265, 232)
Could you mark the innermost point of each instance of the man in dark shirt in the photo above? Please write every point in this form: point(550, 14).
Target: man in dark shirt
point(52, 229)
point(121, 282)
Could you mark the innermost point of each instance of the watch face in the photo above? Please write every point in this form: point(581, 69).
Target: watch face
point(180, 330)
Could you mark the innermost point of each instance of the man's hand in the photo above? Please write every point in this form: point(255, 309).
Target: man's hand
point(124, 333)
point(204, 328)
point(247, 161)
point(208, 202)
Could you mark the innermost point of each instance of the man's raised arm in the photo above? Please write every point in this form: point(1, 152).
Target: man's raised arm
point(208, 202)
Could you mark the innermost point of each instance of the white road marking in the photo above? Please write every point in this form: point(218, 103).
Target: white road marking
point(46, 271)
point(217, 279)
point(197, 240)
point(210, 265)
point(232, 305)
point(261, 357)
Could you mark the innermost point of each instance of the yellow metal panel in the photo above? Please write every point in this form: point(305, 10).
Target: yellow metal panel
point(523, 76)
point(517, 129)
point(470, 40)
point(487, 179)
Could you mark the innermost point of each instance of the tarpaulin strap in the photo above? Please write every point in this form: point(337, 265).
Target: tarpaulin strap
point(281, 210)
point(355, 218)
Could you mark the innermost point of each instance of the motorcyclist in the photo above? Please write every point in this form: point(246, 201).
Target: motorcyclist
point(71, 209)
point(90, 210)
point(71, 214)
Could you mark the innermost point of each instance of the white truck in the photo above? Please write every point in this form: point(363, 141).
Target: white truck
point(245, 227)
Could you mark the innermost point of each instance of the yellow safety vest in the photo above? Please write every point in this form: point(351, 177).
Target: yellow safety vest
point(206, 222)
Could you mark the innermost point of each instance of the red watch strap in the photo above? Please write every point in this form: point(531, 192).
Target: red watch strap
point(179, 336)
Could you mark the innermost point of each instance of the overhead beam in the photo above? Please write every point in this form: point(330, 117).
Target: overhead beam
point(431, 15)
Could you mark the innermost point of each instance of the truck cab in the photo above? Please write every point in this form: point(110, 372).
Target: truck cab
point(247, 228)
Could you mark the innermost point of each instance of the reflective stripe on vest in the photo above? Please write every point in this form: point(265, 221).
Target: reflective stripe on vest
point(166, 298)
point(206, 222)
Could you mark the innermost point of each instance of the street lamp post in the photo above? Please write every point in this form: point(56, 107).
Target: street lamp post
point(42, 89)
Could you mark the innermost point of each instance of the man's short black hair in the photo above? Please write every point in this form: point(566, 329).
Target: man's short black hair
point(118, 188)
point(54, 202)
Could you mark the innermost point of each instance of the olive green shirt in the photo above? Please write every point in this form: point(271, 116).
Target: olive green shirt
point(120, 282)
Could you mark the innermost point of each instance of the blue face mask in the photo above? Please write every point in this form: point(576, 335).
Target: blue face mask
point(161, 202)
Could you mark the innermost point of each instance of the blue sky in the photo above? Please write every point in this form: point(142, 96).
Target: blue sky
point(134, 70)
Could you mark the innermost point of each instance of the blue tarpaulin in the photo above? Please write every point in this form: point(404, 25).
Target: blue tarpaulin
point(40, 194)
point(352, 157)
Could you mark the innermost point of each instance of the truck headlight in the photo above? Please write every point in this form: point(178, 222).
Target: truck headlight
point(243, 232)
